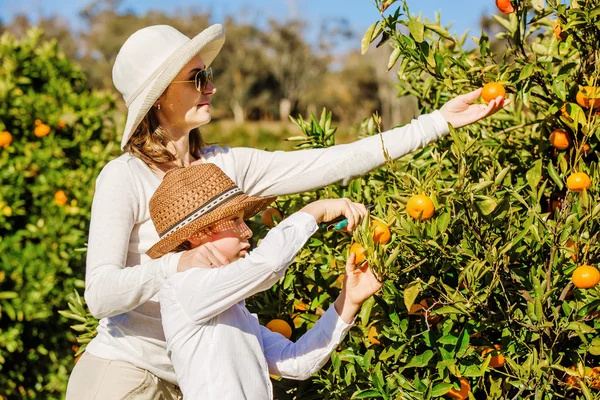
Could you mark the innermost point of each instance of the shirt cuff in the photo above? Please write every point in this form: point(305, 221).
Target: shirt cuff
point(169, 265)
point(332, 322)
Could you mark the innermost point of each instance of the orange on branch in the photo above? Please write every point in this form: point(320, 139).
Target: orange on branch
point(41, 130)
point(505, 6)
point(60, 197)
point(5, 139)
point(559, 139)
point(359, 250)
point(588, 96)
point(418, 204)
point(463, 393)
point(269, 215)
point(578, 181)
point(381, 232)
point(492, 90)
point(280, 326)
point(585, 277)
point(497, 360)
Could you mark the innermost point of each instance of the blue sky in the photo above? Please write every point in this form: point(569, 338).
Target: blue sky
point(359, 13)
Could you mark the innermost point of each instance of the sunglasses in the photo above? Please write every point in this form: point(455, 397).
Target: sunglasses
point(201, 79)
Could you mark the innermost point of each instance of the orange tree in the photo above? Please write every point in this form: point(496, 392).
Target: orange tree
point(478, 300)
point(61, 134)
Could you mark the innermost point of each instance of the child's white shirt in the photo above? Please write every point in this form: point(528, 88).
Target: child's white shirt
point(218, 349)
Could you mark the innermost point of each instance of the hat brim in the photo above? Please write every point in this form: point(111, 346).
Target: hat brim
point(249, 204)
point(207, 44)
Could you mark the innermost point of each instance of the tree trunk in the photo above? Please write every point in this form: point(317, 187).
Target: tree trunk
point(285, 108)
point(238, 112)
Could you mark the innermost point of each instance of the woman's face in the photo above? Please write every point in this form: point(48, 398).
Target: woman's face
point(229, 236)
point(182, 107)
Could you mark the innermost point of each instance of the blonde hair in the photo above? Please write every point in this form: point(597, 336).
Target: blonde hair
point(149, 142)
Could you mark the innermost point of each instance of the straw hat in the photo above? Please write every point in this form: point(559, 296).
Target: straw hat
point(151, 58)
point(190, 199)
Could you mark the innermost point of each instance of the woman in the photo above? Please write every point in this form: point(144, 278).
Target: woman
point(166, 83)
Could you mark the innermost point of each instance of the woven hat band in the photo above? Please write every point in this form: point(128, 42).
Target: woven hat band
point(204, 209)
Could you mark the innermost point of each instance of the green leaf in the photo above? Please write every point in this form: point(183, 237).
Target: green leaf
point(367, 394)
point(410, 293)
point(393, 58)
point(534, 174)
point(580, 327)
point(417, 29)
point(439, 30)
point(369, 37)
point(421, 360)
point(441, 389)
point(487, 206)
point(554, 175)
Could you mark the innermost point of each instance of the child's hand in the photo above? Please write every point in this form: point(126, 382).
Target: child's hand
point(328, 210)
point(360, 283)
point(204, 256)
point(460, 112)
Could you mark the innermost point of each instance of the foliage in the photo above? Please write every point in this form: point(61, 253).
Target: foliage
point(495, 261)
point(62, 136)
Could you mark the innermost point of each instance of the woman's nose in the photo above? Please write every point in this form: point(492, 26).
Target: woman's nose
point(246, 231)
point(210, 88)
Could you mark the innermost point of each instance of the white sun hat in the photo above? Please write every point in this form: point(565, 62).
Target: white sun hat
point(150, 59)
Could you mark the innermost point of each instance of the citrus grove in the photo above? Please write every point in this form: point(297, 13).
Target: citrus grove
point(487, 240)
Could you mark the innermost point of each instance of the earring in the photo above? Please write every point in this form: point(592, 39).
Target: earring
point(158, 107)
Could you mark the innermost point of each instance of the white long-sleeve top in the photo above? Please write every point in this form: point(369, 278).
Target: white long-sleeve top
point(220, 350)
point(122, 282)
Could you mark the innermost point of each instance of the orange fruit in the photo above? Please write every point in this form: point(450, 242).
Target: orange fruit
point(61, 125)
point(268, 217)
point(37, 122)
point(586, 277)
point(559, 139)
point(586, 149)
point(497, 360)
point(60, 197)
point(578, 181)
point(560, 35)
point(280, 326)
point(464, 391)
point(571, 245)
point(505, 6)
point(41, 130)
point(591, 377)
point(5, 139)
point(492, 90)
point(584, 95)
point(359, 250)
point(300, 306)
point(418, 204)
point(373, 334)
point(381, 232)
point(423, 308)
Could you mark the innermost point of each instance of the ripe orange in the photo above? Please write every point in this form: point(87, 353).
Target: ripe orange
point(464, 391)
point(505, 6)
point(560, 35)
point(381, 232)
point(5, 139)
point(357, 249)
point(270, 216)
point(41, 130)
point(423, 308)
point(492, 90)
point(60, 197)
point(571, 245)
point(420, 203)
point(559, 139)
point(585, 277)
point(592, 378)
point(497, 360)
point(578, 181)
point(61, 125)
point(280, 326)
point(586, 149)
point(584, 95)
point(373, 334)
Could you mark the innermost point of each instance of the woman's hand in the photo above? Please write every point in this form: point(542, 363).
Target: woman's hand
point(460, 112)
point(328, 210)
point(204, 256)
point(360, 283)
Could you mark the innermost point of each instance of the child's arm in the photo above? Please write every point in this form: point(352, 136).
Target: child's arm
point(206, 292)
point(301, 359)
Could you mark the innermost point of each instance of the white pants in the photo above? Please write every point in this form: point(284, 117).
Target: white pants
point(95, 378)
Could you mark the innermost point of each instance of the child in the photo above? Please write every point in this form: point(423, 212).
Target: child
point(218, 349)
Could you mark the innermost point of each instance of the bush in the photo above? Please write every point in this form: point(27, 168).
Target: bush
point(61, 136)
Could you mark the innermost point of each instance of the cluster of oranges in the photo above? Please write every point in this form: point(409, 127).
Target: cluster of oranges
point(41, 129)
